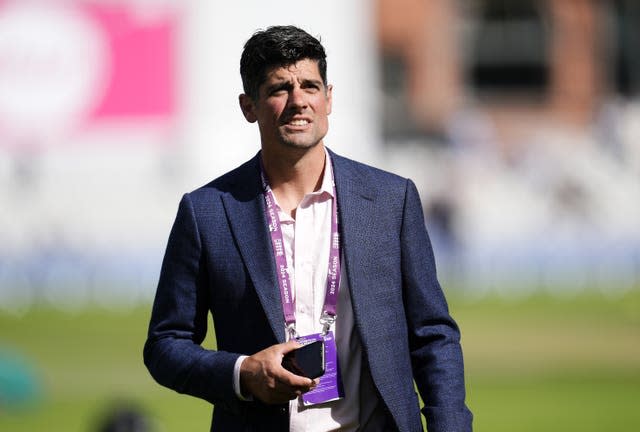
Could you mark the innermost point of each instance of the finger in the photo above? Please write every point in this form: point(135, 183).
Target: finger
point(289, 346)
point(296, 382)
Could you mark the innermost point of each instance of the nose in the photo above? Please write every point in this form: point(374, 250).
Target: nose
point(297, 98)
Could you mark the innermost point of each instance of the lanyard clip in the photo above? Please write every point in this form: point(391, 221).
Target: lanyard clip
point(327, 321)
point(291, 329)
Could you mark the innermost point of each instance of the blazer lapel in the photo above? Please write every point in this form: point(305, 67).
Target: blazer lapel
point(356, 203)
point(244, 206)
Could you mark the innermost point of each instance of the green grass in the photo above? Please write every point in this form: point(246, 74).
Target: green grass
point(88, 361)
point(544, 364)
point(539, 364)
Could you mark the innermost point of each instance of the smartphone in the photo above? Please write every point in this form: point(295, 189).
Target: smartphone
point(306, 361)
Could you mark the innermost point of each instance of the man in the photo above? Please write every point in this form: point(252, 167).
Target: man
point(300, 244)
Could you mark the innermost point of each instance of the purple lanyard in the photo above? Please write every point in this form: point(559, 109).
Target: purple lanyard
point(277, 242)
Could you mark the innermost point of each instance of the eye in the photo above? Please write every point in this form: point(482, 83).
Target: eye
point(311, 88)
point(279, 90)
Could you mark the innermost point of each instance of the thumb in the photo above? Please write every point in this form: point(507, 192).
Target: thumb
point(290, 345)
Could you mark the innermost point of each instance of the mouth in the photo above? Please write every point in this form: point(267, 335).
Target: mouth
point(297, 122)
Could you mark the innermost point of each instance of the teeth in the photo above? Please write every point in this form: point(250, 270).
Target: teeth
point(299, 122)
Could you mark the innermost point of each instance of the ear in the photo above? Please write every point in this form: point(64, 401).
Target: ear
point(329, 94)
point(248, 108)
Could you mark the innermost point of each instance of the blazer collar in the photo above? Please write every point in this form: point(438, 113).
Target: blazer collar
point(350, 179)
point(245, 210)
point(356, 200)
point(357, 203)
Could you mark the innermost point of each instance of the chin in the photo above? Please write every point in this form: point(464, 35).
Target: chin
point(300, 145)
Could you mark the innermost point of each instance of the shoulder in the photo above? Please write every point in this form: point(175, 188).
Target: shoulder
point(368, 176)
point(242, 182)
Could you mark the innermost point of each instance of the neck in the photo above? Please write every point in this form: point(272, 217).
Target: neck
point(292, 176)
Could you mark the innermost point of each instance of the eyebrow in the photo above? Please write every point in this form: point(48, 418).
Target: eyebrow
point(287, 85)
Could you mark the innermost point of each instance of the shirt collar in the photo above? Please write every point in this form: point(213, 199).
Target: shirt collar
point(327, 178)
point(326, 187)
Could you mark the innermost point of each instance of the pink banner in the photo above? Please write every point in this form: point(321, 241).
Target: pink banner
point(142, 53)
point(70, 65)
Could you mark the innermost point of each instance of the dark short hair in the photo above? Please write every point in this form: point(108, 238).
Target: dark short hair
point(277, 46)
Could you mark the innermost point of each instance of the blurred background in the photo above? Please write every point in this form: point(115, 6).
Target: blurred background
point(519, 121)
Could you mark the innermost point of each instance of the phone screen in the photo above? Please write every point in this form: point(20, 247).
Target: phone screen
point(307, 361)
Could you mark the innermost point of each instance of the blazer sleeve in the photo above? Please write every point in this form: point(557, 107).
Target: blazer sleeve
point(178, 324)
point(434, 337)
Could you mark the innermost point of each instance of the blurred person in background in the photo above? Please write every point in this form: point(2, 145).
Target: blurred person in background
point(301, 244)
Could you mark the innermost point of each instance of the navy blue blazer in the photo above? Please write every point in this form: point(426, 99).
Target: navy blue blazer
point(219, 260)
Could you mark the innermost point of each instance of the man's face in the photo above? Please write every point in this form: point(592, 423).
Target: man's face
point(292, 107)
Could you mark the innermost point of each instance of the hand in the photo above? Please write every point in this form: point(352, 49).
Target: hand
point(263, 377)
